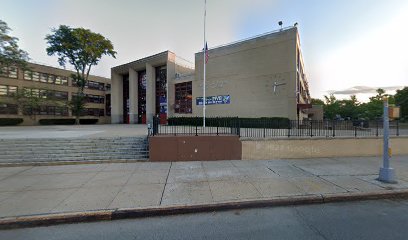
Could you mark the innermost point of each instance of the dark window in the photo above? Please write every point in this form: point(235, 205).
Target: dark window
point(97, 112)
point(183, 94)
point(46, 110)
point(8, 108)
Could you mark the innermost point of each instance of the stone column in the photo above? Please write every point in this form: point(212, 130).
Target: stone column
point(116, 98)
point(150, 93)
point(133, 96)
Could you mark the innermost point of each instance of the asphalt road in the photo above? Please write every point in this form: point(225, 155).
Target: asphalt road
point(384, 219)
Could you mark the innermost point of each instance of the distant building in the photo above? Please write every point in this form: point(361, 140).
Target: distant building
point(53, 83)
point(262, 76)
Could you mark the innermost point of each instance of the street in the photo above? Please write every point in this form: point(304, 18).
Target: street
point(382, 219)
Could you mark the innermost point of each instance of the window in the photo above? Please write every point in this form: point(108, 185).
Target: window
point(95, 98)
point(97, 112)
point(42, 93)
point(8, 108)
point(10, 72)
point(6, 90)
point(46, 110)
point(95, 85)
point(43, 77)
point(183, 93)
point(36, 76)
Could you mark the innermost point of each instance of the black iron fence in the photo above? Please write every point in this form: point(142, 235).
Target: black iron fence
point(275, 127)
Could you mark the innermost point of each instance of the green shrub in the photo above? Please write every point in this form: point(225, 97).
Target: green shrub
point(10, 121)
point(265, 122)
point(67, 121)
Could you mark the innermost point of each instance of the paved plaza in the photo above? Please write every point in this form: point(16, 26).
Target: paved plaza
point(85, 187)
point(73, 131)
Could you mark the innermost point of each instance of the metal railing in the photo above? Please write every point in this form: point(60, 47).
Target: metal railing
point(275, 128)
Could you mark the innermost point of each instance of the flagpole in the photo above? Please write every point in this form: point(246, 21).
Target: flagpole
point(204, 58)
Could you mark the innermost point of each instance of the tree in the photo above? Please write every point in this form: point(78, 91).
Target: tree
point(81, 48)
point(401, 99)
point(10, 53)
point(316, 101)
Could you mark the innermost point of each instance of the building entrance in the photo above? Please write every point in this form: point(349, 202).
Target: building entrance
point(161, 94)
point(126, 99)
point(141, 101)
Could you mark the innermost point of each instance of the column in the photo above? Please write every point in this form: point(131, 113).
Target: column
point(133, 96)
point(116, 98)
point(150, 93)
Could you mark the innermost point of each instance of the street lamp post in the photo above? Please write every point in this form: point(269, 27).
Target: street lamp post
point(387, 174)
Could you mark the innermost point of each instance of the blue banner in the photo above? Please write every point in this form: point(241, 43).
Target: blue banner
point(211, 100)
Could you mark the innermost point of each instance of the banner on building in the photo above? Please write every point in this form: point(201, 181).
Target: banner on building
point(211, 100)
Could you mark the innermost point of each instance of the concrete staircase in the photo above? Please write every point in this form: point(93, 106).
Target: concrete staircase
point(73, 149)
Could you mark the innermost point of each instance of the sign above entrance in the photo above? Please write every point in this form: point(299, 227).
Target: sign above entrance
point(211, 100)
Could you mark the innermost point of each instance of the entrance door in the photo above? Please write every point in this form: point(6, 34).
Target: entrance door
point(141, 106)
point(161, 94)
point(126, 99)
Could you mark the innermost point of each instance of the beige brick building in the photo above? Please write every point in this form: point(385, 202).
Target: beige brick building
point(262, 76)
point(51, 83)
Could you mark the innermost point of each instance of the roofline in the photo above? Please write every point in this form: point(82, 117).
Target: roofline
point(141, 60)
point(251, 38)
point(62, 69)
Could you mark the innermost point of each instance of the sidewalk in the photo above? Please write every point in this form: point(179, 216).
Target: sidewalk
point(88, 187)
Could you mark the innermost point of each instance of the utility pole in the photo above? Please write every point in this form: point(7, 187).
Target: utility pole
point(204, 59)
point(387, 174)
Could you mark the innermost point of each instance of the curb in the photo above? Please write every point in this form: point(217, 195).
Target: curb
point(126, 213)
point(58, 163)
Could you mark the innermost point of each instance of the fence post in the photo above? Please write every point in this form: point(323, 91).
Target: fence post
point(196, 127)
point(397, 128)
point(355, 131)
point(264, 128)
point(311, 128)
point(218, 123)
point(334, 128)
point(238, 127)
point(289, 126)
point(376, 134)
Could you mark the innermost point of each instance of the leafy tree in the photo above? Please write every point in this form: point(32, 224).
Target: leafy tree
point(401, 99)
point(81, 48)
point(10, 53)
point(316, 101)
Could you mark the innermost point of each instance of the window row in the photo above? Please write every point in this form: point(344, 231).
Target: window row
point(45, 78)
point(9, 72)
point(97, 112)
point(91, 85)
point(46, 110)
point(50, 94)
point(6, 90)
point(89, 98)
point(8, 108)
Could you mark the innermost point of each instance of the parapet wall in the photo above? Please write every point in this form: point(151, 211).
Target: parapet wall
point(262, 149)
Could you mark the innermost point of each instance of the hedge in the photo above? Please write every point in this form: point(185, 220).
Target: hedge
point(66, 121)
point(10, 121)
point(264, 122)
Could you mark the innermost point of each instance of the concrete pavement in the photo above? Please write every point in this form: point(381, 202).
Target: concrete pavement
point(32, 190)
point(73, 131)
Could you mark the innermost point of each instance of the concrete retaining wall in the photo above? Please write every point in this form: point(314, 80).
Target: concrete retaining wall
point(260, 149)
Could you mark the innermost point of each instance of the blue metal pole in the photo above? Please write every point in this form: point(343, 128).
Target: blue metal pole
point(387, 174)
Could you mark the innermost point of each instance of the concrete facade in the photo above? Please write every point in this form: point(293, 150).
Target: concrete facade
point(262, 76)
point(52, 80)
point(176, 70)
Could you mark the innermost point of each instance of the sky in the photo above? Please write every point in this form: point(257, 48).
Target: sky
point(346, 44)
